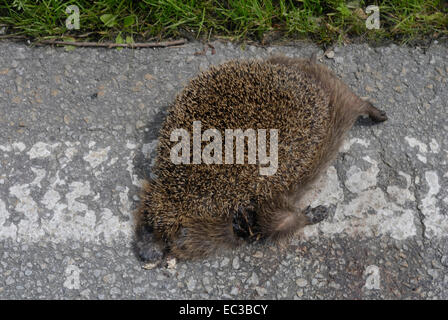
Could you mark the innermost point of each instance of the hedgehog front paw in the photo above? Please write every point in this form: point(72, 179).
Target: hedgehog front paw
point(146, 248)
point(317, 214)
point(149, 252)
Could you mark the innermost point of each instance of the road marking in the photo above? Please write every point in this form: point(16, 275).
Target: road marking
point(55, 207)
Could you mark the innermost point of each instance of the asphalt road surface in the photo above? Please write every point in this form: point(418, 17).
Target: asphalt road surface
point(77, 135)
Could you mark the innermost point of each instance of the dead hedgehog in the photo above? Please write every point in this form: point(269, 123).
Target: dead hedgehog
point(194, 208)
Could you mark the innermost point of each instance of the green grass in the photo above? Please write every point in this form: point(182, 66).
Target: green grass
point(323, 21)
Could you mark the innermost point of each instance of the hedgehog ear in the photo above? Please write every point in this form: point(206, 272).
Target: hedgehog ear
point(313, 58)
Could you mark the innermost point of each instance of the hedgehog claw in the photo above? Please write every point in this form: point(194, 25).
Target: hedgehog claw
point(316, 215)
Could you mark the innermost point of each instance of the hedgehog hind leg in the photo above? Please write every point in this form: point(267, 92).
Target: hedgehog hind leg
point(279, 219)
point(285, 223)
point(374, 113)
point(282, 219)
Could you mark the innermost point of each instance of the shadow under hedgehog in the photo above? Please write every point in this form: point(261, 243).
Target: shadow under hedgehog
point(191, 210)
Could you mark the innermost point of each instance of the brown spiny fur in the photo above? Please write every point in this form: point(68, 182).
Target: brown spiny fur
point(193, 210)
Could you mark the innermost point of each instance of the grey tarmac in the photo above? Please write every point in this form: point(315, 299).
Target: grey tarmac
point(78, 131)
